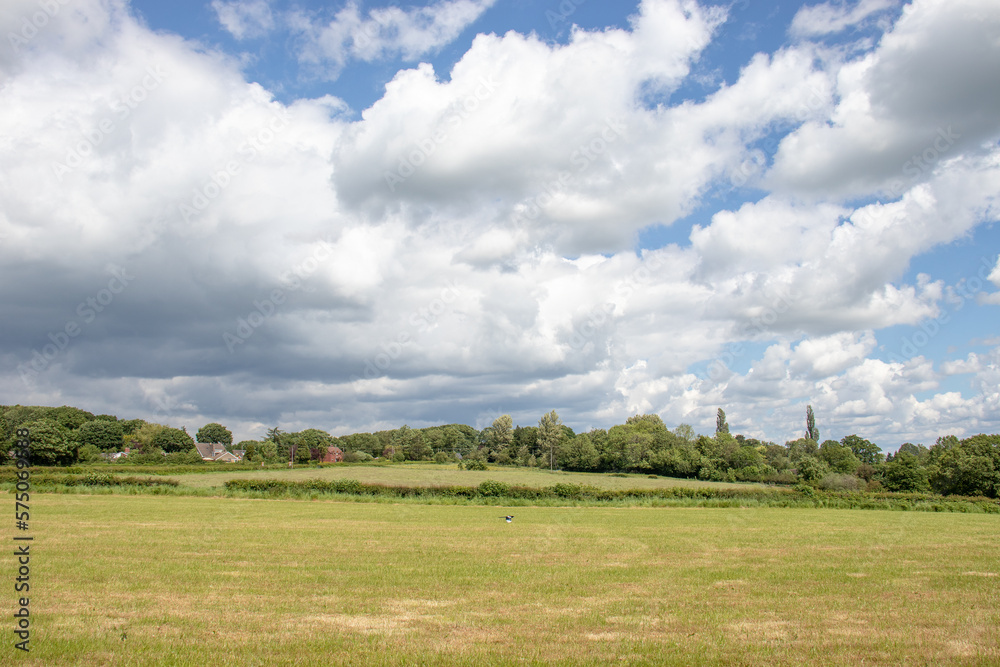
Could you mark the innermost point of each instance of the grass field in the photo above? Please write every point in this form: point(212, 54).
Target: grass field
point(123, 580)
point(429, 474)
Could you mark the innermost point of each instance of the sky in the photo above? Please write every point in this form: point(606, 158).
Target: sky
point(357, 215)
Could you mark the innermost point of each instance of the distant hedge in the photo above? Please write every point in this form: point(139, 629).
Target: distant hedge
point(92, 478)
point(491, 490)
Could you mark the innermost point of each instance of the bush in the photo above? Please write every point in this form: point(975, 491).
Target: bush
point(475, 464)
point(494, 488)
point(838, 482)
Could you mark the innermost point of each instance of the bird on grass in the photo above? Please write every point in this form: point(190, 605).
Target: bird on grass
point(509, 517)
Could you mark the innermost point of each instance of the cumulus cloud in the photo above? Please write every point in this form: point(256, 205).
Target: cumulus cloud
point(927, 94)
point(244, 19)
point(467, 246)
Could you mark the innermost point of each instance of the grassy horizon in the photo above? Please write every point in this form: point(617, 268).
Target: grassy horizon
point(187, 580)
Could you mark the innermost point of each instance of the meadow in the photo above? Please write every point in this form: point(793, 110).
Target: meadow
point(135, 580)
point(432, 474)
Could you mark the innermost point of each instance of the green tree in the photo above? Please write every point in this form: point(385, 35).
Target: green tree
point(812, 433)
point(105, 435)
point(51, 443)
point(501, 435)
point(721, 425)
point(142, 438)
point(269, 451)
point(863, 450)
point(250, 449)
point(840, 458)
point(579, 453)
point(130, 426)
point(811, 469)
point(550, 434)
point(215, 433)
point(301, 450)
point(173, 440)
point(686, 433)
point(69, 417)
point(904, 473)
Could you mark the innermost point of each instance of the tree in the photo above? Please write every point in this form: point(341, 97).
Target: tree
point(838, 457)
point(215, 433)
point(302, 451)
point(173, 440)
point(130, 426)
point(550, 434)
point(811, 469)
point(501, 434)
point(269, 451)
point(812, 433)
point(51, 443)
point(721, 426)
point(103, 434)
point(249, 448)
point(865, 451)
point(686, 433)
point(904, 473)
point(579, 454)
point(142, 438)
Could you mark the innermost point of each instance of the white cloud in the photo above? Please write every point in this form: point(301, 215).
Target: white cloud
point(827, 18)
point(926, 95)
point(386, 32)
point(482, 280)
point(244, 19)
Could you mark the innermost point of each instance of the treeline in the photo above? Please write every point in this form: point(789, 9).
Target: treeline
point(644, 444)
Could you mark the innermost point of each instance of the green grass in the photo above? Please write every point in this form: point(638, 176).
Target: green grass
point(429, 474)
point(185, 580)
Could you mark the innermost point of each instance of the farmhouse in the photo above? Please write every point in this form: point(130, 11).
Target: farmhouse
point(216, 451)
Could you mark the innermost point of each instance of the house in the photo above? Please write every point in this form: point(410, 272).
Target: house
point(331, 455)
point(216, 451)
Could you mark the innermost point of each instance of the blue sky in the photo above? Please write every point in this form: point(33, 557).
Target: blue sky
point(352, 216)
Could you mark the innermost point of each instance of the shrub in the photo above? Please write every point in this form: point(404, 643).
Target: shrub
point(494, 488)
point(838, 482)
point(476, 464)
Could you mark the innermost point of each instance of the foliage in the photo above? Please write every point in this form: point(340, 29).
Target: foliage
point(172, 440)
point(51, 443)
point(102, 434)
point(550, 435)
point(864, 450)
point(812, 433)
point(721, 425)
point(904, 473)
point(130, 426)
point(214, 432)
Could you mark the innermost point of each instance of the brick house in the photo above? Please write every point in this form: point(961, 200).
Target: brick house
point(331, 455)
